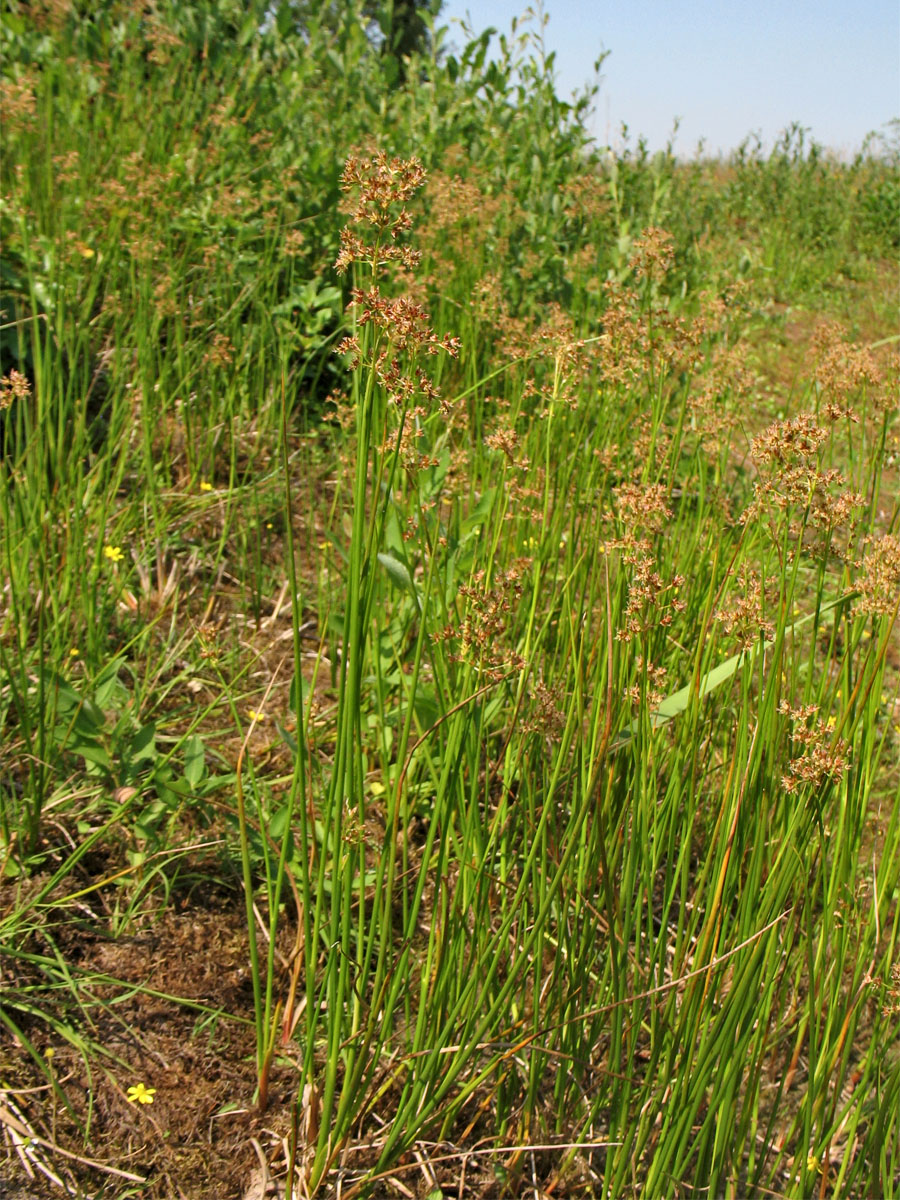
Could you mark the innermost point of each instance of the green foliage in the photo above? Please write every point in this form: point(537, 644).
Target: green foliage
point(544, 681)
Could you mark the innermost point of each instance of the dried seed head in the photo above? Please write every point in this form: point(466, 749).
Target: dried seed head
point(653, 254)
point(790, 441)
point(13, 386)
point(383, 186)
point(879, 585)
point(841, 368)
point(745, 619)
point(642, 507)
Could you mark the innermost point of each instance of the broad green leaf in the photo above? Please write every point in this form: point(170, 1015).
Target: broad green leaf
point(194, 760)
point(400, 575)
point(143, 744)
point(678, 702)
point(480, 512)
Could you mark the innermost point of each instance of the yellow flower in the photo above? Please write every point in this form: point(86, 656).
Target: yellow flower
point(113, 553)
point(74, 652)
point(254, 715)
point(205, 485)
point(813, 1164)
point(139, 1093)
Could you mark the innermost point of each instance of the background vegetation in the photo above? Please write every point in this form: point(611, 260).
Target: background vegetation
point(448, 657)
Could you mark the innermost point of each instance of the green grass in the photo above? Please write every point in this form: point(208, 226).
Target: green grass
point(535, 698)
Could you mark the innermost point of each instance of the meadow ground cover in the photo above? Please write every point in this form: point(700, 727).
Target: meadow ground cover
point(449, 673)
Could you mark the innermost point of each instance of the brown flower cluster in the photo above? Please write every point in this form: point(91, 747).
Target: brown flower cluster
point(161, 40)
point(410, 333)
point(652, 682)
point(721, 389)
point(586, 197)
point(879, 584)
point(548, 715)
point(462, 212)
point(642, 507)
point(638, 342)
point(405, 322)
point(651, 601)
point(67, 168)
point(487, 298)
point(787, 452)
point(824, 757)
point(624, 340)
point(407, 436)
point(18, 105)
point(483, 630)
point(652, 255)
point(505, 439)
point(891, 1005)
point(294, 242)
point(50, 14)
point(842, 369)
point(13, 386)
point(220, 352)
point(400, 324)
point(382, 188)
point(745, 619)
point(784, 443)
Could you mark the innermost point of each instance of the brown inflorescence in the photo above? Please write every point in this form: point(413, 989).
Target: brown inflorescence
point(651, 602)
point(18, 104)
point(745, 619)
point(842, 369)
point(653, 254)
point(481, 634)
point(825, 757)
point(13, 386)
point(787, 453)
point(401, 324)
point(879, 584)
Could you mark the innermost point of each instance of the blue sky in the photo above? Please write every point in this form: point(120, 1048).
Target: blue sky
point(727, 68)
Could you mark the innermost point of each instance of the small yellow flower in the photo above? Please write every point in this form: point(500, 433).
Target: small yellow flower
point(113, 553)
point(205, 485)
point(254, 715)
point(49, 1052)
point(139, 1093)
point(74, 652)
point(813, 1164)
point(831, 722)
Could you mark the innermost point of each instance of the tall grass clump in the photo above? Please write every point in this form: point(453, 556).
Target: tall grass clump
point(450, 581)
point(644, 701)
